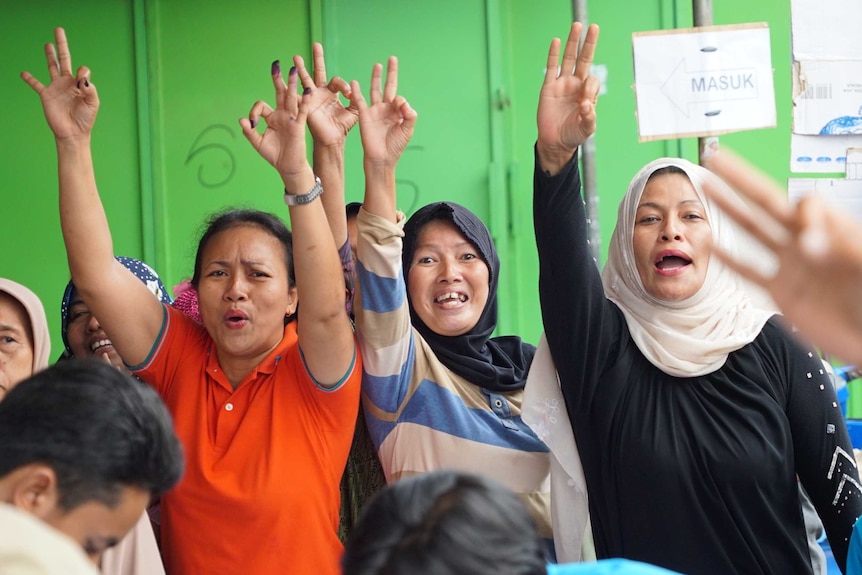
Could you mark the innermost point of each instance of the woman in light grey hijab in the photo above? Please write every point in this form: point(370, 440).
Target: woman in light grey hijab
point(25, 345)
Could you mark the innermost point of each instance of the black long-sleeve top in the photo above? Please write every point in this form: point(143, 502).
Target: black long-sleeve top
point(698, 474)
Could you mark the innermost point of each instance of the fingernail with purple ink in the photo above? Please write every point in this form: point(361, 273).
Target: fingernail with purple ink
point(306, 91)
point(276, 68)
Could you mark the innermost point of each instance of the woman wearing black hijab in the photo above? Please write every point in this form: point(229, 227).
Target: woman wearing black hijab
point(439, 392)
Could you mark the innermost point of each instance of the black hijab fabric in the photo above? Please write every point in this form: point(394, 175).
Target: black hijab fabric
point(497, 364)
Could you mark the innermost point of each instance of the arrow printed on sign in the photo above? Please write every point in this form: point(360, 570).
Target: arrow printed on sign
point(686, 88)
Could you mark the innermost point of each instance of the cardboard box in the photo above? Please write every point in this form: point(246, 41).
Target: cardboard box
point(827, 97)
point(827, 84)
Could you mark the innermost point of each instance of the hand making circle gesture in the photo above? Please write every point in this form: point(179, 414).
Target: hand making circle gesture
point(283, 142)
point(387, 125)
point(70, 101)
point(328, 119)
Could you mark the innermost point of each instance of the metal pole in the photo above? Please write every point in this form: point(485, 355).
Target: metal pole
point(588, 160)
point(702, 11)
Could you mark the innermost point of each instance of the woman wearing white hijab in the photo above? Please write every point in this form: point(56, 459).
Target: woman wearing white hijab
point(693, 410)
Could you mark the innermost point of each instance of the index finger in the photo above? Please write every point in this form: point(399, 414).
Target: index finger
point(588, 50)
point(63, 51)
point(553, 62)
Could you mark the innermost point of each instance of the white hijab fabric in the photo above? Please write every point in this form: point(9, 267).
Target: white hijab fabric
point(544, 410)
point(38, 322)
point(691, 337)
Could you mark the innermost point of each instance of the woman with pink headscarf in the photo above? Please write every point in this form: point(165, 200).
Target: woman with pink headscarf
point(24, 342)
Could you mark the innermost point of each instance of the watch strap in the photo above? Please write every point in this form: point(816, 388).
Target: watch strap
point(307, 198)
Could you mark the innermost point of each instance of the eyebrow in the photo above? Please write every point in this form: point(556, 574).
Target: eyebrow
point(656, 205)
point(225, 263)
point(439, 245)
point(11, 327)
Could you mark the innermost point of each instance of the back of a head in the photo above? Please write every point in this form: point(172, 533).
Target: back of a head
point(444, 523)
point(351, 210)
point(98, 428)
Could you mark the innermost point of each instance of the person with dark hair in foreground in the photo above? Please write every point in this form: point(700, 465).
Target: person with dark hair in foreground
point(444, 522)
point(84, 448)
point(83, 337)
point(450, 522)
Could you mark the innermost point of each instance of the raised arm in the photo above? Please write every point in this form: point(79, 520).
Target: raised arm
point(567, 103)
point(818, 281)
point(129, 313)
point(325, 334)
point(386, 128)
point(574, 307)
point(329, 122)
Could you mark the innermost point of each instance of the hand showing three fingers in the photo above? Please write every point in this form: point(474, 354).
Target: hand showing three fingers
point(387, 125)
point(283, 142)
point(818, 278)
point(70, 102)
point(567, 115)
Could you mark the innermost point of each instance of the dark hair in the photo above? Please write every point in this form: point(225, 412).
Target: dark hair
point(665, 170)
point(234, 218)
point(98, 428)
point(444, 523)
point(352, 209)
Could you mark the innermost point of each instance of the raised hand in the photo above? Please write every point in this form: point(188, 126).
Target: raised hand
point(387, 125)
point(328, 120)
point(283, 142)
point(567, 102)
point(70, 102)
point(818, 280)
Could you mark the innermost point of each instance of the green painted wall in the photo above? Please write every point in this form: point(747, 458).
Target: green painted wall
point(175, 75)
point(101, 37)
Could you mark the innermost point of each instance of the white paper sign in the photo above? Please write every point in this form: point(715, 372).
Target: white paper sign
point(843, 195)
point(826, 29)
point(703, 81)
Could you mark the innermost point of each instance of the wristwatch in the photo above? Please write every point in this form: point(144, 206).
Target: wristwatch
point(302, 199)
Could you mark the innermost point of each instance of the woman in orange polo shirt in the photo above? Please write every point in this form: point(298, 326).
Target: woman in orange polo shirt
point(266, 426)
